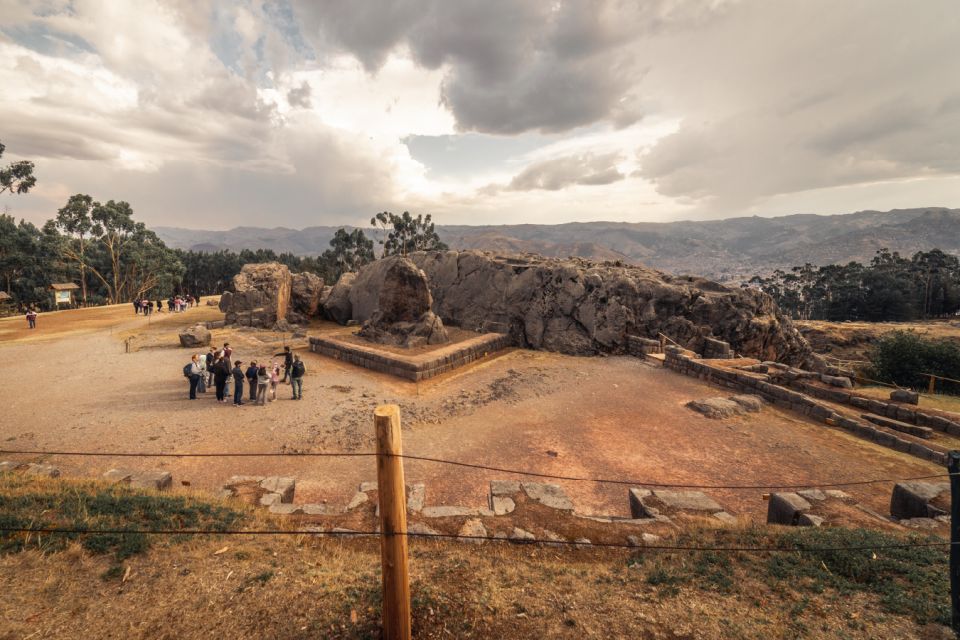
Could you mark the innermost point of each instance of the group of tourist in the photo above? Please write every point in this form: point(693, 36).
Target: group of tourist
point(175, 304)
point(217, 369)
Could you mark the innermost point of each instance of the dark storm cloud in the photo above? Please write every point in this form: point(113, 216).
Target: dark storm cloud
point(556, 173)
point(514, 65)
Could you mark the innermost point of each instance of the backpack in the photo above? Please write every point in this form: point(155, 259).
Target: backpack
point(298, 369)
point(187, 369)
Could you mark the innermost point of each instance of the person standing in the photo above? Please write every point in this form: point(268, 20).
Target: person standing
point(287, 362)
point(252, 380)
point(202, 364)
point(274, 380)
point(192, 371)
point(237, 384)
point(31, 319)
point(210, 358)
point(159, 305)
point(227, 351)
point(220, 374)
point(136, 307)
point(297, 370)
point(263, 381)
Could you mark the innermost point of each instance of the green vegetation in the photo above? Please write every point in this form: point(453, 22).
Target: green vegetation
point(26, 502)
point(890, 288)
point(902, 357)
point(910, 581)
point(405, 234)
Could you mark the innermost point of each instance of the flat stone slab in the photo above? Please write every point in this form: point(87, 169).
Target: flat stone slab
point(687, 500)
point(725, 517)
point(158, 480)
point(419, 527)
point(716, 408)
point(549, 495)
point(750, 403)
point(285, 509)
point(359, 498)
point(313, 509)
point(235, 481)
point(897, 425)
point(118, 475)
point(270, 499)
point(449, 512)
point(521, 535)
point(283, 485)
point(502, 505)
point(473, 528)
point(504, 487)
point(809, 520)
point(416, 494)
point(45, 470)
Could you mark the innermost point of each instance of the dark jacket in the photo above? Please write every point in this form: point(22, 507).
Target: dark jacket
point(238, 376)
point(221, 371)
point(287, 358)
point(252, 374)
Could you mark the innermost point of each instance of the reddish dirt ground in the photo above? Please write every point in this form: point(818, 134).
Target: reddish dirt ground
point(71, 386)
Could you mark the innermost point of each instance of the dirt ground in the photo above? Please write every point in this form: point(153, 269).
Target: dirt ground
point(72, 385)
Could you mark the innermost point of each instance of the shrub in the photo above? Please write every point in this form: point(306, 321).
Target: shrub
point(903, 357)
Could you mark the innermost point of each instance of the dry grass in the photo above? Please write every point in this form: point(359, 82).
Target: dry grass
point(308, 587)
point(938, 401)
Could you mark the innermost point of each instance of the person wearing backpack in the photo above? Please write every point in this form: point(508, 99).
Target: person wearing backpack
point(192, 373)
point(296, 377)
point(287, 362)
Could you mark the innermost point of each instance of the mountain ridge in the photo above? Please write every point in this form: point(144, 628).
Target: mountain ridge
point(731, 249)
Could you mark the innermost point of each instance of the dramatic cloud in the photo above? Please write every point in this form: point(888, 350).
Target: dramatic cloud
point(210, 113)
point(557, 173)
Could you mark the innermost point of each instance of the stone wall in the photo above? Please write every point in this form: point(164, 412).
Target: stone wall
point(415, 368)
point(691, 365)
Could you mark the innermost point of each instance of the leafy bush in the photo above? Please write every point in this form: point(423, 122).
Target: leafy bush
point(903, 357)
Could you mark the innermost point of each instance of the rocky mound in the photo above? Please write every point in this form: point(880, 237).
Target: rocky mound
point(403, 315)
point(266, 294)
point(580, 307)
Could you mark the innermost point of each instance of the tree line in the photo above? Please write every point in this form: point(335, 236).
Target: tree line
point(890, 288)
point(114, 258)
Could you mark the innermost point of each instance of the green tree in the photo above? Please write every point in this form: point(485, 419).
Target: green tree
point(405, 234)
point(74, 219)
point(16, 177)
point(348, 252)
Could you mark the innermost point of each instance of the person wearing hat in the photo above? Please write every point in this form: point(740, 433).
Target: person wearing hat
point(252, 380)
point(237, 384)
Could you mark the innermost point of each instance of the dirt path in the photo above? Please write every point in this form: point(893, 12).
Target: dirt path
point(71, 386)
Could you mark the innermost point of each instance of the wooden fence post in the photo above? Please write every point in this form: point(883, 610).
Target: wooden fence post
point(393, 524)
point(933, 384)
point(953, 466)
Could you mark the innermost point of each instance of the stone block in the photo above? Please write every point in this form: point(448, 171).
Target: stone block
point(45, 470)
point(812, 494)
point(725, 517)
point(809, 520)
point(270, 499)
point(913, 499)
point(416, 494)
point(7, 466)
point(520, 535)
point(280, 484)
point(118, 475)
point(836, 381)
point(504, 487)
point(687, 500)
point(549, 495)
point(638, 509)
point(502, 505)
point(285, 509)
point(905, 396)
point(368, 486)
point(751, 403)
point(786, 508)
point(449, 512)
point(235, 481)
point(473, 529)
point(158, 480)
point(359, 498)
point(320, 510)
point(421, 529)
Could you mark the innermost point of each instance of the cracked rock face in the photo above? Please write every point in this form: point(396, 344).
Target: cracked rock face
point(265, 294)
point(403, 315)
point(580, 307)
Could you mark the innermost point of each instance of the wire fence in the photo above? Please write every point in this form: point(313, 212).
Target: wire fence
point(471, 538)
point(482, 467)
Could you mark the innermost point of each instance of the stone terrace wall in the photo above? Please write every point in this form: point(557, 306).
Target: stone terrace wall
point(414, 368)
point(684, 362)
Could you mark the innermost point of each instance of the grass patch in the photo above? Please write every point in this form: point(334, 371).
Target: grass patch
point(38, 503)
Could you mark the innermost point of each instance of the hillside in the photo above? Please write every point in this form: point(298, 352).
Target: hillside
point(728, 249)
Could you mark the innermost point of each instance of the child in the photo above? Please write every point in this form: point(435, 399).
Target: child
point(274, 381)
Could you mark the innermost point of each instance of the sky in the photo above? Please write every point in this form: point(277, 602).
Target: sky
point(213, 114)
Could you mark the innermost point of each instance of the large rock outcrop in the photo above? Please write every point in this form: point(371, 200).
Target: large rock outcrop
point(265, 294)
point(580, 307)
point(403, 315)
point(337, 306)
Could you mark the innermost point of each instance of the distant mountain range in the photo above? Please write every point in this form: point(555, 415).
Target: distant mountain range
point(725, 250)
